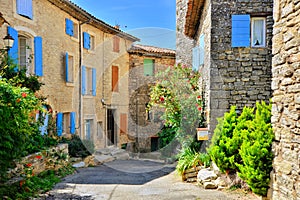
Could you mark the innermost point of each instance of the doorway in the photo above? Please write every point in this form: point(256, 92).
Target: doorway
point(111, 128)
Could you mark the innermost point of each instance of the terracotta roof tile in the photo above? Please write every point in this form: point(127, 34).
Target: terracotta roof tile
point(139, 48)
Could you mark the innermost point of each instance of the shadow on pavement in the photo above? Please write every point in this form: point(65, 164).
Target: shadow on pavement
point(129, 172)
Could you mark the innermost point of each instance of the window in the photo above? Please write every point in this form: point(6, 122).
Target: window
point(198, 54)
point(24, 8)
point(123, 123)
point(115, 79)
point(88, 81)
point(258, 32)
point(242, 35)
point(88, 129)
point(148, 67)
point(69, 63)
point(92, 42)
point(116, 44)
point(65, 123)
point(71, 28)
point(27, 51)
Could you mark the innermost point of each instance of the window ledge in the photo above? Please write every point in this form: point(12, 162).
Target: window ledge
point(27, 20)
point(70, 84)
point(74, 38)
point(88, 96)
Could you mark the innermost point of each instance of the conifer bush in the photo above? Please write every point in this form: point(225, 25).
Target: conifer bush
point(256, 151)
point(219, 150)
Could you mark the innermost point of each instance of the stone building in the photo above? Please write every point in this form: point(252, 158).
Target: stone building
point(184, 44)
point(232, 50)
point(286, 100)
point(144, 63)
point(82, 61)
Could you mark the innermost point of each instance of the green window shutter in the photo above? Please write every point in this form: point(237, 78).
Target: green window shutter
point(240, 36)
point(69, 27)
point(72, 122)
point(59, 124)
point(94, 81)
point(148, 67)
point(38, 56)
point(83, 80)
point(13, 51)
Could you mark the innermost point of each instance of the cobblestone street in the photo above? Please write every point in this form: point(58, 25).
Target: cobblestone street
point(134, 179)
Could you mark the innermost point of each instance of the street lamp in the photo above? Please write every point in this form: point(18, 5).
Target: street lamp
point(8, 41)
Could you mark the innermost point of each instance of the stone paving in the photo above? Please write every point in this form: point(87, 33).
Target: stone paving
point(133, 179)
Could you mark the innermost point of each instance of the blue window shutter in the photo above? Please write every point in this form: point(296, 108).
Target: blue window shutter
point(67, 66)
point(59, 123)
point(86, 40)
point(202, 50)
point(69, 27)
point(240, 36)
point(44, 127)
point(83, 80)
point(94, 81)
point(72, 122)
point(195, 58)
point(13, 51)
point(24, 7)
point(38, 56)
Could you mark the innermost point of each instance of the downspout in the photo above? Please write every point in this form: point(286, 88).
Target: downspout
point(104, 106)
point(80, 78)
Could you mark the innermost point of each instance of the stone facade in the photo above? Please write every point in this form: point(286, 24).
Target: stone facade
point(231, 75)
point(286, 100)
point(141, 127)
point(66, 97)
point(184, 44)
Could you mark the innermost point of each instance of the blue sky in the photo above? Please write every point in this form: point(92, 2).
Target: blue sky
point(153, 21)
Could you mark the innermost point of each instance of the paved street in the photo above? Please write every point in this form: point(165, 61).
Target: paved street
point(133, 179)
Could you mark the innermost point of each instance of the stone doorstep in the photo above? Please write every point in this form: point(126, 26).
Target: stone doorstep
point(104, 158)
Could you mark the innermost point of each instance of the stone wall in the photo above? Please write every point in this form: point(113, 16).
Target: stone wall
point(238, 76)
point(286, 100)
point(184, 44)
point(140, 128)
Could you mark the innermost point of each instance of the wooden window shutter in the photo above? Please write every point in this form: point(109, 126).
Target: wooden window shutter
point(83, 80)
point(69, 27)
point(123, 123)
point(67, 66)
point(240, 36)
point(201, 50)
point(86, 40)
point(115, 78)
point(24, 8)
point(148, 67)
point(196, 58)
point(13, 51)
point(94, 81)
point(38, 56)
point(72, 122)
point(116, 44)
point(59, 124)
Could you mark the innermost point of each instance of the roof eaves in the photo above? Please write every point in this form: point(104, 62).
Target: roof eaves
point(193, 17)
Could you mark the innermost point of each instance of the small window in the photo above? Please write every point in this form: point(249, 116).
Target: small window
point(88, 81)
point(71, 28)
point(148, 67)
point(258, 32)
point(88, 129)
point(92, 42)
point(25, 54)
point(69, 62)
point(115, 78)
point(66, 123)
point(116, 44)
point(24, 8)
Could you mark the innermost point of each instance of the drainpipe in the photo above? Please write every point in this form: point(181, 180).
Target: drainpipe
point(80, 78)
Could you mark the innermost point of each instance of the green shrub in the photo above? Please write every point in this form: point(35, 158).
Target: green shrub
point(218, 150)
point(78, 147)
point(189, 158)
point(256, 151)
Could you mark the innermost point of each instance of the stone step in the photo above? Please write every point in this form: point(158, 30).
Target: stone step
point(104, 158)
point(122, 156)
